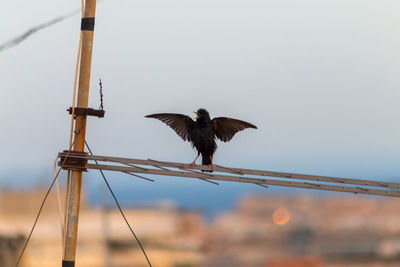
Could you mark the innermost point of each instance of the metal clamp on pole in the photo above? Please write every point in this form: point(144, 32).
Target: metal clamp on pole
point(72, 160)
point(87, 24)
point(68, 263)
point(87, 112)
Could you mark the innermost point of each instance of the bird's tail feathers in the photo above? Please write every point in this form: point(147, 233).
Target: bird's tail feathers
point(205, 160)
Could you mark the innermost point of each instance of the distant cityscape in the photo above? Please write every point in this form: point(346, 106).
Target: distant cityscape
point(261, 230)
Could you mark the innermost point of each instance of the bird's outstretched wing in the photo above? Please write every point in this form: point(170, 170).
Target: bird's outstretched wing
point(181, 124)
point(226, 128)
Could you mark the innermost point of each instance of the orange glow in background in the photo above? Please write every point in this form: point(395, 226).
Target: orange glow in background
point(281, 216)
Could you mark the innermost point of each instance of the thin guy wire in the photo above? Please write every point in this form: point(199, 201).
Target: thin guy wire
point(119, 207)
point(45, 197)
point(40, 209)
point(37, 217)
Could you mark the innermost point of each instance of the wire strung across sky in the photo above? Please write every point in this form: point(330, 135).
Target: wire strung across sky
point(17, 40)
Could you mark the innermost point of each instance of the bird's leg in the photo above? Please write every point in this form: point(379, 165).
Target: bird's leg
point(194, 161)
point(212, 164)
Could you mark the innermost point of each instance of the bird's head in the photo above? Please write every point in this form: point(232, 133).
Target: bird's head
point(202, 114)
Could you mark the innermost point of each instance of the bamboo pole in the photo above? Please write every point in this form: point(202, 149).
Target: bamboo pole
point(80, 131)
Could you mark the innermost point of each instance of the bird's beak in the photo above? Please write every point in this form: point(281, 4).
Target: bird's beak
point(196, 114)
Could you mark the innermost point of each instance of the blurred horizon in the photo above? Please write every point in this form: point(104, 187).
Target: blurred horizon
point(294, 230)
point(182, 193)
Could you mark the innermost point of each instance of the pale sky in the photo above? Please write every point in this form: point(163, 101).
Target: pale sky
point(319, 78)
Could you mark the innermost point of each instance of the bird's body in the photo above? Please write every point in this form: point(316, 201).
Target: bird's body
point(202, 136)
point(203, 131)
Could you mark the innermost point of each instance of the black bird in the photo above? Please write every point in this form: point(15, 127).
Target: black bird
point(202, 132)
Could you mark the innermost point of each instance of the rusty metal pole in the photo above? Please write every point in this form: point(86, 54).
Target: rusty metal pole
point(71, 234)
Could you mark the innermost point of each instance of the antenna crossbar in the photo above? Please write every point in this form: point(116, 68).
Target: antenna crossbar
point(258, 177)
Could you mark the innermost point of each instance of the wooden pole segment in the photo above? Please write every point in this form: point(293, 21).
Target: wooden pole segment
point(80, 131)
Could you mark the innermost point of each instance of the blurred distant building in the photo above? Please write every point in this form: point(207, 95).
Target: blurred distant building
point(332, 231)
point(17, 202)
point(10, 246)
point(295, 262)
point(262, 231)
point(171, 237)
